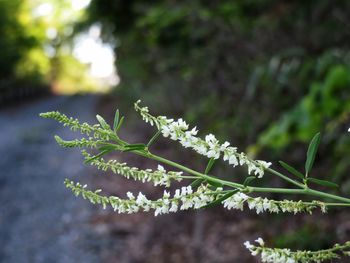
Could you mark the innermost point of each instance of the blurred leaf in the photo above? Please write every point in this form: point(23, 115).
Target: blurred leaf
point(119, 124)
point(311, 152)
point(322, 182)
point(98, 155)
point(197, 182)
point(108, 147)
point(103, 123)
point(154, 138)
point(134, 147)
point(248, 180)
point(209, 165)
point(291, 169)
point(116, 120)
point(213, 183)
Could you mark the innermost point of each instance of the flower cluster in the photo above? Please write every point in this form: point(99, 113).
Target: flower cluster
point(260, 205)
point(102, 137)
point(284, 255)
point(183, 199)
point(190, 199)
point(158, 177)
point(95, 130)
point(210, 147)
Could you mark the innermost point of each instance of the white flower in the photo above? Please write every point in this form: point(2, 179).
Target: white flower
point(248, 245)
point(210, 146)
point(174, 207)
point(130, 195)
point(210, 139)
point(213, 154)
point(260, 241)
point(165, 131)
point(158, 177)
point(224, 146)
point(233, 160)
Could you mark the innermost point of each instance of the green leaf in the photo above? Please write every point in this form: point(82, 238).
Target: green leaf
point(311, 152)
point(152, 140)
point(322, 182)
point(97, 156)
point(103, 123)
point(291, 169)
point(134, 147)
point(213, 183)
point(108, 147)
point(197, 182)
point(116, 120)
point(220, 200)
point(209, 165)
point(248, 180)
point(119, 124)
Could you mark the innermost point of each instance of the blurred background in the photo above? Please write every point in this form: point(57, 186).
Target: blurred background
point(265, 75)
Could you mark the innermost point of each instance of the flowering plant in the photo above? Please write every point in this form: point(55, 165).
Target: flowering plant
point(204, 190)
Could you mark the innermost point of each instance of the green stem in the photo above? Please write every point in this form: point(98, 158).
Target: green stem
point(285, 178)
point(326, 195)
point(241, 187)
point(249, 189)
point(275, 190)
point(190, 171)
point(336, 204)
point(188, 177)
point(304, 190)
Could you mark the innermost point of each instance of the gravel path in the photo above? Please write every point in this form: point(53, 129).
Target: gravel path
point(40, 220)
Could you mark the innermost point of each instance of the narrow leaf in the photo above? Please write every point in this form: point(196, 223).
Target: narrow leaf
point(197, 182)
point(322, 182)
point(97, 155)
point(134, 147)
point(103, 123)
point(248, 180)
point(108, 147)
point(220, 200)
point(152, 140)
point(311, 152)
point(213, 183)
point(119, 124)
point(116, 120)
point(291, 169)
point(209, 165)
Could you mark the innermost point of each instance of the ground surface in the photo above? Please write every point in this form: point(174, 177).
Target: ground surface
point(40, 220)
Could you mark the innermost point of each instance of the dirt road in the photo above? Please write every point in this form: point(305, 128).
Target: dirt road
point(40, 220)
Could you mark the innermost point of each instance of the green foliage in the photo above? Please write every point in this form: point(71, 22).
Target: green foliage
point(292, 170)
point(272, 70)
point(327, 100)
point(15, 41)
point(311, 153)
point(322, 182)
point(309, 236)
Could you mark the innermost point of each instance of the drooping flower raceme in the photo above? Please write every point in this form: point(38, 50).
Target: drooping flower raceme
point(211, 190)
point(96, 131)
point(158, 177)
point(183, 199)
point(210, 147)
point(284, 255)
point(261, 205)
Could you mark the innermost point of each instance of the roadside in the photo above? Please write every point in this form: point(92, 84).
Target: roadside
point(40, 220)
